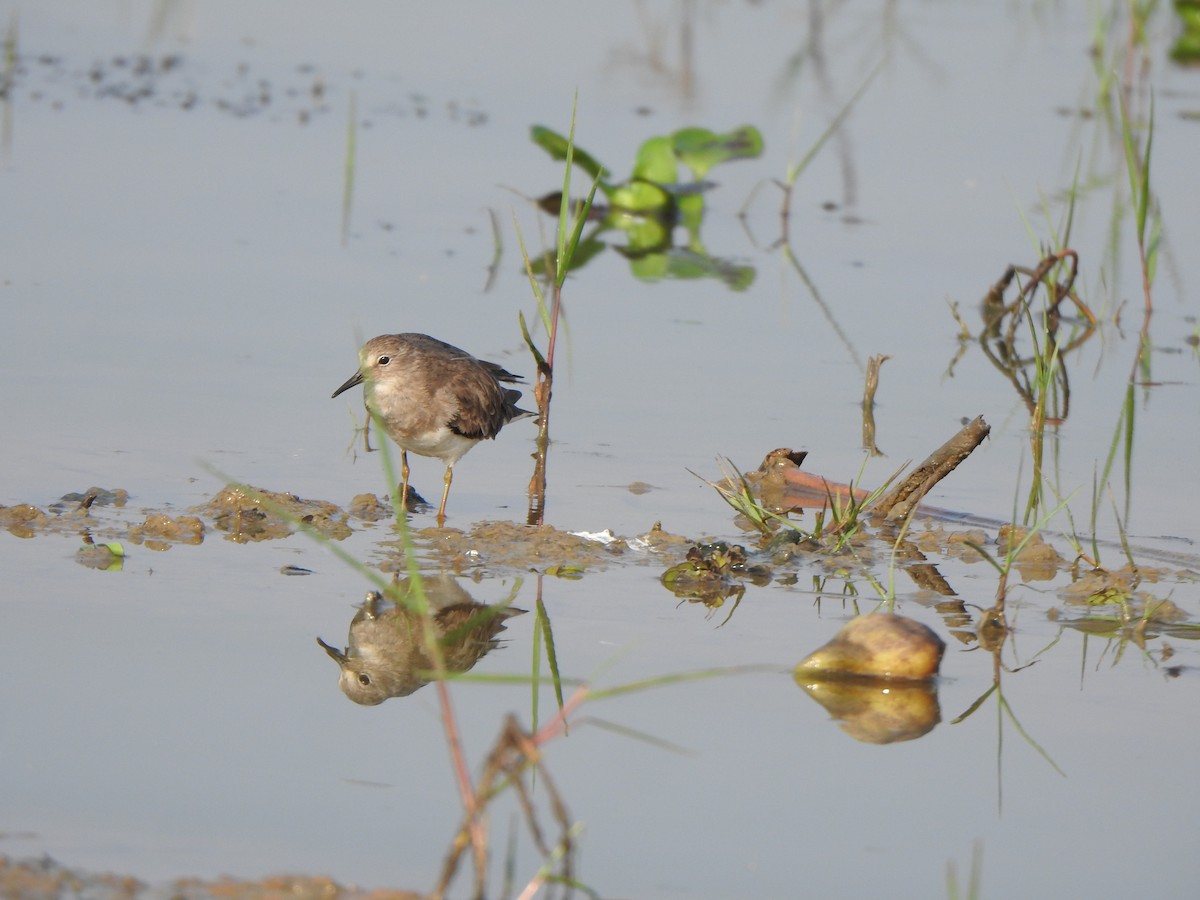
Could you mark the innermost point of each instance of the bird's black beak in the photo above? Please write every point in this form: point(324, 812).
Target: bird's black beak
point(356, 378)
point(334, 653)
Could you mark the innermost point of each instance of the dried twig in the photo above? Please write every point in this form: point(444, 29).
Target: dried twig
point(904, 497)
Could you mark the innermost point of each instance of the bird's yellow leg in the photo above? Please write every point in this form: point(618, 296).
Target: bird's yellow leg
point(447, 478)
point(404, 479)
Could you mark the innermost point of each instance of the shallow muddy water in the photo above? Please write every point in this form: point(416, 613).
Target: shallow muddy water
point(183, 291)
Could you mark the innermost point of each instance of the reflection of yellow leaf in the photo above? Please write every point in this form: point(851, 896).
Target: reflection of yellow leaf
point(572, 572)
point(101, 556)
point(1108, 595)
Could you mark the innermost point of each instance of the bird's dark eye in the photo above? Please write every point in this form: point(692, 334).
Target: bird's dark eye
point(384, 360)
point(364, 679)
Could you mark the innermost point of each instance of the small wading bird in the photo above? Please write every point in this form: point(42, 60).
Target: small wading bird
point(433, 399)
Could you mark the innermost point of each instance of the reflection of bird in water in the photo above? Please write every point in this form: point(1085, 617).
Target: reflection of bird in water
point(386, 651)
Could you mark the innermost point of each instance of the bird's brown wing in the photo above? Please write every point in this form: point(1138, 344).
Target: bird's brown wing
point(500, 373)
point(484, 407)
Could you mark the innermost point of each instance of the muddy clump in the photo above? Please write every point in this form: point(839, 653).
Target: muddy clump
point(159, 531)
point(369, 508)
point(511, 545)
point(22, 520)
point(247, 514)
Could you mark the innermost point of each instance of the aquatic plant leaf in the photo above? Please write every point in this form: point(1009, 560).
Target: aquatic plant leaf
point(570, 244)
point(700, 149)
point(656, 162)
point(537, 354)
point(641, 196)
point(556, 145)
point(695, 582)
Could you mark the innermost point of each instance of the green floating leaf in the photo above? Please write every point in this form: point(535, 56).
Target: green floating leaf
point(700, 149)
point(656, 162)
point(556, 145)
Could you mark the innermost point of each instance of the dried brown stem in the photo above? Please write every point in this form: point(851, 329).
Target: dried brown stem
point(537, 482)
point(474, 831)
point(902, 499)
point(542, 391)
point(515, 752)
point(868, 405)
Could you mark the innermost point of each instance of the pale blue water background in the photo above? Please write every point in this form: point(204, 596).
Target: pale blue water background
point(176, 293)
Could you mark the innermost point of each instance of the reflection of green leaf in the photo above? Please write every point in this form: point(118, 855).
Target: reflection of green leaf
point(587, 248)
point(690, 214)
point(651, 267)
point(656, 162)
point(686, 264)
point(700, 149)
point(644, 234)
point(1186, 49)
point(556, 145)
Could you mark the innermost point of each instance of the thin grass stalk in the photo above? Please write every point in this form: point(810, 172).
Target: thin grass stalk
point(1045, 367)
point(493, 268)
point(974, 876)
point(1137, 163)
point(794, 171)
point(536, 650)
point(1127, 455)
point(551, 652)
point(566, 241)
